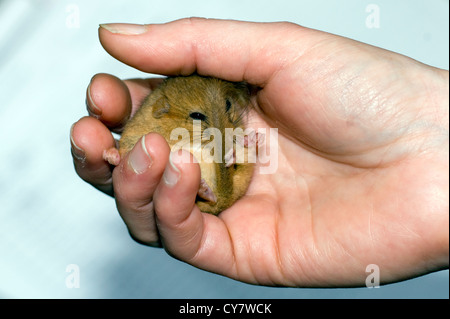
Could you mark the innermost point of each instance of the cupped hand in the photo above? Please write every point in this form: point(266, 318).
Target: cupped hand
point(362, 167)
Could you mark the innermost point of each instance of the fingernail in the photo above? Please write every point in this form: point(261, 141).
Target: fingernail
point(125, 28)
point(139, 159)
point(172, 174)
point(77, 151)
point(93, 109)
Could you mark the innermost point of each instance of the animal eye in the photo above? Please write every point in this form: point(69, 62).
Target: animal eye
point(227, 105)
point(198, 116)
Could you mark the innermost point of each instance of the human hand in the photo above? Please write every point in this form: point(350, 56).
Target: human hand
point(362, 172)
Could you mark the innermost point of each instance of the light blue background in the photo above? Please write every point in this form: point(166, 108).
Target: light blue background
point(50, 219)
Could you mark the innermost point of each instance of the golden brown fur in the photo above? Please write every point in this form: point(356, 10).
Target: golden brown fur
point(218, 104)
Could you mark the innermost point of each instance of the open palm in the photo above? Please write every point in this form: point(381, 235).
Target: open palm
point(362, 173)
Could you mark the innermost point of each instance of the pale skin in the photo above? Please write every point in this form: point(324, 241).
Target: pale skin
point(362, 175)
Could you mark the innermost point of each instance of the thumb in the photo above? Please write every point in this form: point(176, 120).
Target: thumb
point(186, 233)
point(231, 50)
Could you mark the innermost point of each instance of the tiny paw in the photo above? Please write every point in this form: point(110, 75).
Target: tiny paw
point(112, 156)
point(205, 192)
point(252, 139)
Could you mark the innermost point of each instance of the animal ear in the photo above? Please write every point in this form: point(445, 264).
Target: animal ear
point(241, 94)
point(160, 108)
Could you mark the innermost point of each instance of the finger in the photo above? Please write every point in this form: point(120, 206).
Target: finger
point(88, 138)
point(232, 50)
point(113, 101)
point(186, 233)
point(135, 180)
point(108, 99)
